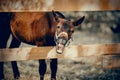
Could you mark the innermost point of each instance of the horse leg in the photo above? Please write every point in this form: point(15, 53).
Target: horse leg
point(54, 62)
point(42, 68)
point(15, 43)
point(4, 36)
point(53, 67)
point(3, 44)
point(15, 70)
point(1, 71)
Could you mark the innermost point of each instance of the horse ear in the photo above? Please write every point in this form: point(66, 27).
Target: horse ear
point(55, 16)
point(79, 21)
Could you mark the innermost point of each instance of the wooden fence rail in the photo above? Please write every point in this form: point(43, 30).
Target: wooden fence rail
point(60, 5)
point(71, 52)
point(109, 53)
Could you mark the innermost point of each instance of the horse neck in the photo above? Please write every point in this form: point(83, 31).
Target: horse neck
point(52, 24)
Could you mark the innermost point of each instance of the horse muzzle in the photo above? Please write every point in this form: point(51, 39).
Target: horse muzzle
point(61, 43)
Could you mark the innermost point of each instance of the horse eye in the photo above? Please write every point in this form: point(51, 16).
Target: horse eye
point(58, 26)
point(72, 31)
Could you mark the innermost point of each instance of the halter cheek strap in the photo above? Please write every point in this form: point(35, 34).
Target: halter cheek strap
point(68, 42)
point(55, 37)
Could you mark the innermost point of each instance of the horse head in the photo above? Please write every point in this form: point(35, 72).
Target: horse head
point(64, 30)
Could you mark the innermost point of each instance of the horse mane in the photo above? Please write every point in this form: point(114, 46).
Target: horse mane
point(60, 14)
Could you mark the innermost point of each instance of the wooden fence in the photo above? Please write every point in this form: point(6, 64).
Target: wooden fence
point(108, 54)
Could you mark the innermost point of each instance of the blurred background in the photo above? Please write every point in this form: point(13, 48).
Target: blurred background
point(101, 26)
point(98, 27)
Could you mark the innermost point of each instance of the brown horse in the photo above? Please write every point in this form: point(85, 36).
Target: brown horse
point(43, 29)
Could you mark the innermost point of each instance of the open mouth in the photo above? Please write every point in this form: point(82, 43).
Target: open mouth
point(60, 48)
point(61, 45)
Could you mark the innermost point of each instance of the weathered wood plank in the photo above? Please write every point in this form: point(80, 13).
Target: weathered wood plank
point(71, 52)
point(59, 5)
point(111, 61)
